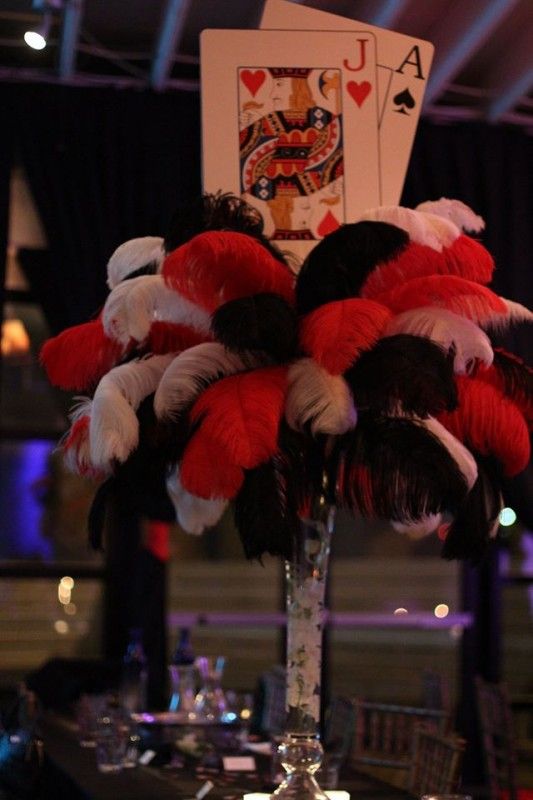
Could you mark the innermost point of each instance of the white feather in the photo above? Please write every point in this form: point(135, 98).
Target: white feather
point(447, 330)
point(517, 313)
point(78, 459)
point(428, 229)
point(320, 398)
point(186, 376)
point(132, 255)
point(456, 211)
point(418, 528)
point(133, 305)
point(462, 456)
point(114, 428)
point(193, 513)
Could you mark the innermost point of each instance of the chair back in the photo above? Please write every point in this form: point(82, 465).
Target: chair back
point(435, 764)
point(339, 725)
point(435, 691)
point(498, 743)
point(273, 712)
point(384, 735)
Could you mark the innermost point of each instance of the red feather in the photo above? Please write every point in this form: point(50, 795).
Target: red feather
point(171, 337)
point(489, 423)
point(464, 258)
point(217, 266)
point(513, 378)
point(414, 261)
point(78, 357)
point(468, 258)
point(336, 333)
point(207, 470)
point(463, 297)
point(241, 414)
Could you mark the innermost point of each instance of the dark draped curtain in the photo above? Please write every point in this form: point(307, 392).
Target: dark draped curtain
point(104, 166)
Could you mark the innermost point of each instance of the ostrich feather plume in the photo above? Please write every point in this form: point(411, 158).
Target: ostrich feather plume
point(336, 333)
point(418, 528)
point(456, 211)
point(172, 337)
point(217, 266)
point(423, 228)
point(514, 378)
point(460, 454)
point(78, 357)
point(489, 424)
point(194, 514)
point(192, 371)
point(469, 344)
point(133, 255)
point(317, 399)
point(464, 258)
point(75, 443)
point(461, 296)
point(114, 427)
point(263, 516)
point(206, 475)
point(513, 314)
point(262, 322)
point(475, 521)
point(407, 472)
point(339, 264)
point(403, 374)
point(132, 307)
point(242, 413)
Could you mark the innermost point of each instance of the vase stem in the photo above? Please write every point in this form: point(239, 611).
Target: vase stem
point(306, 577)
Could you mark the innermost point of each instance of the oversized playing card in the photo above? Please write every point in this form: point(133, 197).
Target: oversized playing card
point(277, 110)
point(403, 65)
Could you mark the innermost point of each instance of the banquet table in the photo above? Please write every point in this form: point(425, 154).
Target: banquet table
point(70, 773)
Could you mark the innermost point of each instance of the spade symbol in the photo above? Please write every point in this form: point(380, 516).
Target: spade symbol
point(404, 100)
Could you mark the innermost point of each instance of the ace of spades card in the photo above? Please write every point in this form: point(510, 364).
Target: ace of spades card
point(278, 108)
point(403, 64)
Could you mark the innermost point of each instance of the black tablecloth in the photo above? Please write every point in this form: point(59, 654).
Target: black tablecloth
point(70, 773)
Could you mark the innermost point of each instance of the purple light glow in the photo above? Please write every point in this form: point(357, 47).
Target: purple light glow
point(24, 465)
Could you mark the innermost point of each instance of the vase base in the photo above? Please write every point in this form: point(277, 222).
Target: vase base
point(299, 786)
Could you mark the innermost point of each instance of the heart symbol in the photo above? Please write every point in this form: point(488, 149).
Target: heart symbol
point(253, 80)
point(359, 91)
point(328, 224)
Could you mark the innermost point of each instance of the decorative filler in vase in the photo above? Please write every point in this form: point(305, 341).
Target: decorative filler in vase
point(306, 576)
point(217, 373)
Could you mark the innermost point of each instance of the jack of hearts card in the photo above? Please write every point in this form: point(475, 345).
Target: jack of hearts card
point(278, 108)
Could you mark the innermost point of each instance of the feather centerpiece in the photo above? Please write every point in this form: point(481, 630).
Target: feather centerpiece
point(372, 373)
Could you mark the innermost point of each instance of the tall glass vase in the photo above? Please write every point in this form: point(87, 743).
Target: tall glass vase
point(306, 574)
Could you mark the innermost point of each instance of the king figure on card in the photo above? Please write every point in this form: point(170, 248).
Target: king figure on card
point(291, 156)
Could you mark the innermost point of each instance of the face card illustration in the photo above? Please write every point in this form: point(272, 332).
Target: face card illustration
point(278, 108)
point(403, 65)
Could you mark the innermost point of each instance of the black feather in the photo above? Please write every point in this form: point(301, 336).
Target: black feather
point(468, 537)
point(394, 468)
point(516, 376)
point(339, 264)
point(263, 516)
point(268, 505)
point(404, 372)
point(217, 212)
point(261, 322)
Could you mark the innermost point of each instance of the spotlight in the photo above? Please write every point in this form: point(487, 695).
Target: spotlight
point(36, 39)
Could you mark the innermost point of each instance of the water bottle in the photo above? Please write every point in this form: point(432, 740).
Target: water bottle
point(134, 675)
point(183, 675)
